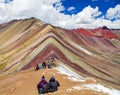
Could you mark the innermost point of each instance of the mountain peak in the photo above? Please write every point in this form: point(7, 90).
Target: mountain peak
point(25, 43)
point(105, 27)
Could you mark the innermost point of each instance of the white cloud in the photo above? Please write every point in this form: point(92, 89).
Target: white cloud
point(113, 13)
point(18, 9)
point(71, 8)
point(58, 6)
point(44, 10)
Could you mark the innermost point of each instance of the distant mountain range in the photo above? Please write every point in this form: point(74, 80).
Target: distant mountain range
point(92, 52)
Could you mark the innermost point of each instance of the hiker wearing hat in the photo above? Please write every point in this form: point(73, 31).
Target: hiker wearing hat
point(53, 84)
point(42, 86)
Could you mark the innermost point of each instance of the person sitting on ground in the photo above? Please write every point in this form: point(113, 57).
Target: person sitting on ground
point(42, 86)
point(53, 84)
point(40, 66)
point(44, 65)
point(49, 65)
point(36, 67)
point(52, 59)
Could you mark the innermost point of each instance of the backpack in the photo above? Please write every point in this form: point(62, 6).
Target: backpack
point(45, 88)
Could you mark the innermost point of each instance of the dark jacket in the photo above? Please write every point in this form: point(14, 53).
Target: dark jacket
point(40, 84)
point(44, 65)
point(36, 67)
point(53, 85)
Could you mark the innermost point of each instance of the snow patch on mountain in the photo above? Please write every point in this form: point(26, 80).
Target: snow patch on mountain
point(91, 86)
point(97, 88)
point(71, 74)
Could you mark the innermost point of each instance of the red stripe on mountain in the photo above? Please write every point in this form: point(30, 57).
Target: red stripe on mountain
point(99, 32)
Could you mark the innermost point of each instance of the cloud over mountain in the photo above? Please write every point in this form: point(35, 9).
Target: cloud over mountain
point(49, 11)
point(113, 13)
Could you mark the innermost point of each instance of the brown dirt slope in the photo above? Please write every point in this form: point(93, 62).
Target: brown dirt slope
point(24, 83)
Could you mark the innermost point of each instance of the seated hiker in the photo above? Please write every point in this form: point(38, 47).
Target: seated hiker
point(42, 86)
point(44, 65)
point(49, 65)
point(53, 84)
point(51, 62)
point(54, 63)
point(36, 67)
point(51, 59)
point(41, 67)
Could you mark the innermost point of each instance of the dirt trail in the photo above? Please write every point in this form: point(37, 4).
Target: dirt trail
point(24, 83)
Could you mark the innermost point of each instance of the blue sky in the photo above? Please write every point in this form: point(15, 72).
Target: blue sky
point(69, 14)
point(78, 5)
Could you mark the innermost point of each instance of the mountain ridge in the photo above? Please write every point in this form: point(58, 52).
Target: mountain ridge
point(25, 43)
point(97, 30)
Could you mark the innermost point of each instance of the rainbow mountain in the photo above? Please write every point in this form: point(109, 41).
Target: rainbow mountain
point(91, 52)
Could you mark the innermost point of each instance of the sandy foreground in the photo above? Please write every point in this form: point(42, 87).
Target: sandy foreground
point(25, 83)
